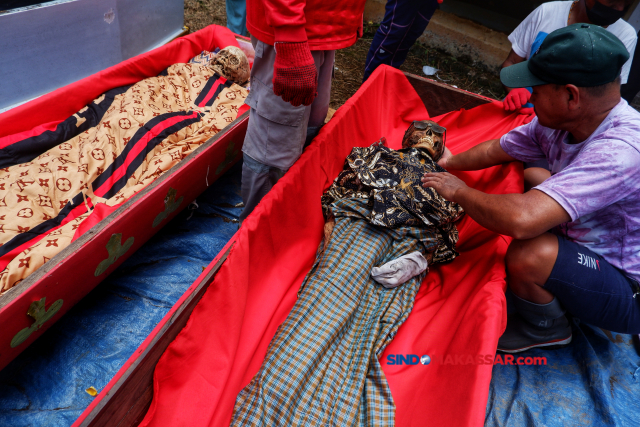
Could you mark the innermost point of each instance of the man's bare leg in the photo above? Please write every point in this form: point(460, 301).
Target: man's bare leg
point(540, 319)
point(529, 264)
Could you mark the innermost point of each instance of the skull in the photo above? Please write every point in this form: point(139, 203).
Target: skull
point(427, 134)
point(232, 64)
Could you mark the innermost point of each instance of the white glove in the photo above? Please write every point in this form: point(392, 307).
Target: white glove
point(396, 272)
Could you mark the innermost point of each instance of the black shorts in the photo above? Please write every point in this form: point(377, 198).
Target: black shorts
point(593, 290)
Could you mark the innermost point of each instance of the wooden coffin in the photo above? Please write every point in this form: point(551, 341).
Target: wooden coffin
point(126, 399)
point(32, 306)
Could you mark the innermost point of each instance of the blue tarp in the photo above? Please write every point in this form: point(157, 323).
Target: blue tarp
point(595, 381)
point(45, 385)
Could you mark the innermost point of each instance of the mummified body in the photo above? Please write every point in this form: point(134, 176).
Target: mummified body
point(104, 154)
point(322, 365)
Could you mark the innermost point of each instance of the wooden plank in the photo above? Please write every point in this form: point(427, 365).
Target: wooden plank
point(126, 401)
point(136, 414)
point(440, 98)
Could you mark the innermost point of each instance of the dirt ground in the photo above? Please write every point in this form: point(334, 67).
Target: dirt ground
point(349, 65)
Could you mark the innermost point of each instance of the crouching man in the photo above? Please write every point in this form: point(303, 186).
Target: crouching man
point(576, 234)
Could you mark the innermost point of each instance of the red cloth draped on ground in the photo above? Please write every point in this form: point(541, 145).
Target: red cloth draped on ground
point(459, 310)
point(45, 112)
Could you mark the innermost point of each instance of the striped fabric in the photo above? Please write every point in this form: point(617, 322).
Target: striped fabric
point(322, 368)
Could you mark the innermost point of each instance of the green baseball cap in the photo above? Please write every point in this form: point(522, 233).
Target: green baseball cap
point(584, 55)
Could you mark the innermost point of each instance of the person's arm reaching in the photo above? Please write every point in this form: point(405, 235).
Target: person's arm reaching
point(295, 77)
point(522, 216)
point(482, 156)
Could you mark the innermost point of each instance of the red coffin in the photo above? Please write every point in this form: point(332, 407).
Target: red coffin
point(71, 274)
point(218, 332)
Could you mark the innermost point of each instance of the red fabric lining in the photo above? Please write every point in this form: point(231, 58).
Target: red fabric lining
point(38, 130)
point(100, 212)
point(243, 109)
point(460, 308)
point(48, 110)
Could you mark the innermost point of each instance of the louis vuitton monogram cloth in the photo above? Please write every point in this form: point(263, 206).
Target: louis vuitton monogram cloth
point(105, 153)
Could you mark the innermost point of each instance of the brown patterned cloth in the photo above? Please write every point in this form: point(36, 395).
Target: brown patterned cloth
point(36, 191)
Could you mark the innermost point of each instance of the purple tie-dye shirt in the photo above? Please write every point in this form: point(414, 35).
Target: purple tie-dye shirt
point(597, 182)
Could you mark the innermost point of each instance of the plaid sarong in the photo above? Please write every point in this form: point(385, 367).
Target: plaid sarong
point(322, 368)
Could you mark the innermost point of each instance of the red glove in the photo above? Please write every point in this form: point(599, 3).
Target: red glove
point(295, 78)
point(516, 99)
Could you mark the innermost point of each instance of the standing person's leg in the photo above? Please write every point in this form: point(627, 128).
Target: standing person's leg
point(277, 130)
point(257, 180)
point(237, 16)
point(404, 21)
point(320, 106)
point(632, 87)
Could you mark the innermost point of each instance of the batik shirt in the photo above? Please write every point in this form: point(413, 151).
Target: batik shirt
point(596, 182)
point(388, 181)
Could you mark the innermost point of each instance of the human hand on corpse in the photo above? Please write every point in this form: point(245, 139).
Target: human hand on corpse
point(295, 77)
point(516, 98)
point(445, 157)
point(444, 183)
